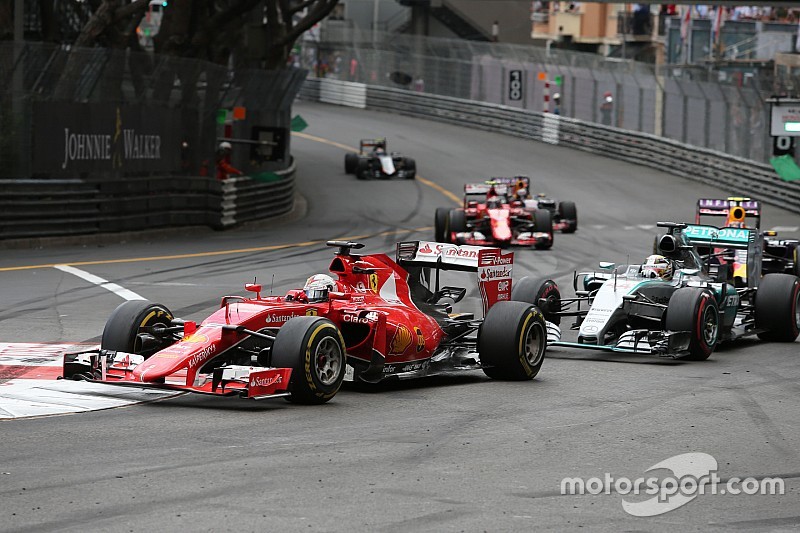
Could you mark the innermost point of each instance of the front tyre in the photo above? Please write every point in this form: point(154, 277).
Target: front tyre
point(777, 307)
point(440, 224)
point(569, 212)
point(126, 328)
point(512, 341)
point(694, 310)
point(314, 349)
point(456, 223)
point(543, 223)
point(350, 163)
point(411, 168)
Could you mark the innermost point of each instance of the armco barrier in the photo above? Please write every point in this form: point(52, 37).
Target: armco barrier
point(736, 175)
point(32, 208)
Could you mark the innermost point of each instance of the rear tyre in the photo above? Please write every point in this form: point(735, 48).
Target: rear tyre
point(543, 223)
point(777, 307)
point(440, 224)
point(350, 163)
point(694, 310)
point(456, 223)
point(314, 349)
point(411, 168)
point(532, 290)
point(796, 255)
point(512, 341)
point(123, 330)
point(569, 212)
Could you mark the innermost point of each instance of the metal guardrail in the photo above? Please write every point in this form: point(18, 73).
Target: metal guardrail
point(737, 175)
point(33, 208)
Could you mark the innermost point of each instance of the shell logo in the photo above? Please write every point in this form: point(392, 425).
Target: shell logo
point(400, 341)
point(196, 338)
point(312, 312)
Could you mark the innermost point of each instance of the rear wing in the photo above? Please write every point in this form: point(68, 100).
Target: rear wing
point(502, 186)
point(372, 143)
point(716, 207)
point(439, 255)
point(701, 235)
point(493, 265)
point(745, 239)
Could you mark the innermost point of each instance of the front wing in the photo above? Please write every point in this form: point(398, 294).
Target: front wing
point(116, 368)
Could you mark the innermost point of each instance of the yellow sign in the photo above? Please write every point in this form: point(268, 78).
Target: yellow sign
point(420, 339)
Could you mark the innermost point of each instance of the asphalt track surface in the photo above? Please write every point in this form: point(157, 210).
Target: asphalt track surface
point(460, 453)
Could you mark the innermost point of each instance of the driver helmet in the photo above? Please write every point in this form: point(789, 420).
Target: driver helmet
point(658, 266)
point(494, 202)
point(317, 288)
point(522, 193)
point(225, 146)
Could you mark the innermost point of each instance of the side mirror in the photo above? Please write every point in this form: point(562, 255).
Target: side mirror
point(339, 295)
point(605, 265)
point(254, 287)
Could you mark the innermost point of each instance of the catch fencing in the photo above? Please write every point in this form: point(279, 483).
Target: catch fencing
point(688, 106)
point(736, 175)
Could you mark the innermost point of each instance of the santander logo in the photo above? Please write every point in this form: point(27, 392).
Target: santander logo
point(426, 249)
point(256, 381)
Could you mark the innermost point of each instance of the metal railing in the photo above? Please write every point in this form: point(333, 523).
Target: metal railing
point(734, 174)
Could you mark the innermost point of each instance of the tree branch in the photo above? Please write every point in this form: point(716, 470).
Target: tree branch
point(320, 10)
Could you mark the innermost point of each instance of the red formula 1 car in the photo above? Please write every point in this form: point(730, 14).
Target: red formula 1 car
point(381, 317)
point(493, 215)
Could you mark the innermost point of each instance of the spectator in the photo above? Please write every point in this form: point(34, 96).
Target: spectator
point(557, 104)
point(606, 108)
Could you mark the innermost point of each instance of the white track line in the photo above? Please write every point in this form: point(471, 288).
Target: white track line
point(97, 280)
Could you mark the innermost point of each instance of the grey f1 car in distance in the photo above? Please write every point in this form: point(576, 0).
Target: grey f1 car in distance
point(374, 161)
point(685, 314)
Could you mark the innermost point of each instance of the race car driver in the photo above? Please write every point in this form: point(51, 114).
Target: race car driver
point(318, 287)
point(658, 266)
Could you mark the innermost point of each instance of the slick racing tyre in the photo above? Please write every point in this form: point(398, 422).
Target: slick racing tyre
point(777, 307)
point(569, 212)
point(543, 223)
point(362, 169)
point(695, 310)
point(440, 224)
point(531, 290)
point(124, 329)
point(314, 349)
point(512, 341)
point(350, 163)
point(411, 168)
point(456, 223)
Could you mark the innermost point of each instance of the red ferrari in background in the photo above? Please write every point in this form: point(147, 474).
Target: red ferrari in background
point(380, 317)
point(494, 214)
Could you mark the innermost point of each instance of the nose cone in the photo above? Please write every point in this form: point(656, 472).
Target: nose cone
point(501, 230)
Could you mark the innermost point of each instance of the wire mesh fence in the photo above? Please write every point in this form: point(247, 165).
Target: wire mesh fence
point(686, 105)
